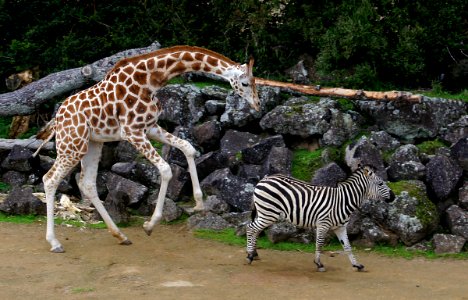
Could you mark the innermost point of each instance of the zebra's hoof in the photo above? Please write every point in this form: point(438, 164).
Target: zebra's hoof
point(58, 249)
point(359, 267)
point(251, 257)
point(321, 269)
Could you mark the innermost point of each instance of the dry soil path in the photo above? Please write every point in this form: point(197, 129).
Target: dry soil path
point(172, 264)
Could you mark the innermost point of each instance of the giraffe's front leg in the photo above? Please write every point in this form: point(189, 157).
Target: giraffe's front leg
point(143, 145)
point(343, 238)
point(159, 134)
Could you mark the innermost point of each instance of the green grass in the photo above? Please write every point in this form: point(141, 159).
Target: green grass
point(305, 163)
point(20, 219)
point(81, 290)
point(430, 147)
point(228, 236)
point(437, 93)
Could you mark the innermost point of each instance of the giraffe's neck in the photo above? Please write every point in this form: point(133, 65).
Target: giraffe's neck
point(153, 70)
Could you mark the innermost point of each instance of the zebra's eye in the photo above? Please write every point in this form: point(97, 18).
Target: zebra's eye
point(244, 84)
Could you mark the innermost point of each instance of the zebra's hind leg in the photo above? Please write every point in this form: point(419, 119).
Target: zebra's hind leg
point(343, 238)
point(253, 230)
point(322, 230)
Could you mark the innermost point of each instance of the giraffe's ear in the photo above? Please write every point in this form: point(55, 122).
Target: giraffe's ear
point(250, 66)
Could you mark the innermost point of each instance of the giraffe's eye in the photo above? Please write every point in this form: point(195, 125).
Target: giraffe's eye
point(244, 84)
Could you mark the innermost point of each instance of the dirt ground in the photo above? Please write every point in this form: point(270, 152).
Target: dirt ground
point(173, 264)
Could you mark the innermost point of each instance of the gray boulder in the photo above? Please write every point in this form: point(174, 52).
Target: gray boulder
point(443, 175)
point(453, 132)
point(123, 190)
point(233, 142)
point(19, 159)
point(457, 220)
point(412, 216)
point(209, 162)
point(383, 141)
point(239, 113)
point(234, 190)
point(463, 196)
point(459, 151)
point(207, 220)
point(14, 178)
point(363, 152)
point(21, 201)
point(329, 175)
point(280, 232)
point(447, 243)
point(278, 161)
point(409, 120)
point(257, 153)
point(404, 164)
point(183, 104)
point(207, 135)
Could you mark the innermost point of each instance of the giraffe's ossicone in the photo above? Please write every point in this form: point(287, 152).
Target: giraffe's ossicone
point(123, 106)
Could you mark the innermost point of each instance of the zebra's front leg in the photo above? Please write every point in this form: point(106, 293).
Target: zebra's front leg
point(322, 230)
point(342, 235)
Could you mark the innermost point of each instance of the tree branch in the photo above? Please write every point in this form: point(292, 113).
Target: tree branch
point(25, 100)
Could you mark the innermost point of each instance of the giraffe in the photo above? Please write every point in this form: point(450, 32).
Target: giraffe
point(123, 107)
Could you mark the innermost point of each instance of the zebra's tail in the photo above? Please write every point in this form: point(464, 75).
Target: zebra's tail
point(254, 212)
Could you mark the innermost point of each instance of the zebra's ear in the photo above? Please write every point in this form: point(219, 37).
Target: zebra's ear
point(366, 171)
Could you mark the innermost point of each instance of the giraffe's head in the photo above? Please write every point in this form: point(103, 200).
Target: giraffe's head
point(243, 83)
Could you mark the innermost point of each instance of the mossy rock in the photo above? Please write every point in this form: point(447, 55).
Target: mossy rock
point(412, 215)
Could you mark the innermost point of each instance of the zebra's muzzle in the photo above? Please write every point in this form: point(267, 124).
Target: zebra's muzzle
point(391, 198)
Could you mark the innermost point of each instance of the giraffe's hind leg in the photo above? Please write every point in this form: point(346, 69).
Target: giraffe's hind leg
point(51, 179)
point(159, 134)
point(87, 185)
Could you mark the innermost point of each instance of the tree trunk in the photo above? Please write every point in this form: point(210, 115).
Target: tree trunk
point(339, 92)
point(25, 100)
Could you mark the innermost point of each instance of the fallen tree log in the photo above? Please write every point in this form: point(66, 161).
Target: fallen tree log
point(33, 144)
point(340, 92)
point(25, 100)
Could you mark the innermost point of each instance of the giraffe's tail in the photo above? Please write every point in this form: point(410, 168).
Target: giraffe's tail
point(45, 134)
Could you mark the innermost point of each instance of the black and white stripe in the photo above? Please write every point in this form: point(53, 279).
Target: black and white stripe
point(279, 197)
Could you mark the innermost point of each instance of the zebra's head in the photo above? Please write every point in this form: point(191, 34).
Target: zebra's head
point(377, 190)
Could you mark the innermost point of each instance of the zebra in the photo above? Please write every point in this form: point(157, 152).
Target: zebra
point(280, 197)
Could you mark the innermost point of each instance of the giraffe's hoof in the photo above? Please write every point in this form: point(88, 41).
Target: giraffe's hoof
point(199, 207)
point(147, 228)
point(57, 249)
point(126, 242)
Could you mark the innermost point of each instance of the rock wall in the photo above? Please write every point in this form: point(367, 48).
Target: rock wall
point(420, 148)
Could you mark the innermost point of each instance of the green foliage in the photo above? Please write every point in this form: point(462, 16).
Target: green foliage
point(358, 44)
point(4, 187)
point(305, 163)
point(4, 127)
